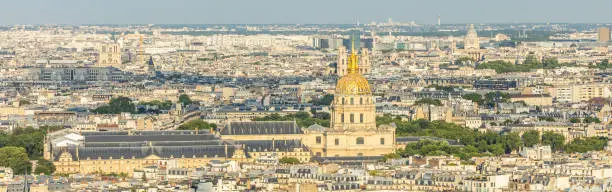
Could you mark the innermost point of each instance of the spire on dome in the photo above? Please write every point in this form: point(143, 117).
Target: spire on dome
point(352, 60)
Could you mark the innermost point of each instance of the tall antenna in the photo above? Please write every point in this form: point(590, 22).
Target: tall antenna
point(140, 50)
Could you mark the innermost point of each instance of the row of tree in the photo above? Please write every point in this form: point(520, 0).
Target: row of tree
point(197, 124)
point(530, 63)
point(476, 143)
point(489, 99)
point(585, 120)
point(428, 101)
point(125, 105)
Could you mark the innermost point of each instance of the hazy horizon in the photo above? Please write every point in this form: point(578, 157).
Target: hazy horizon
point(75, 12)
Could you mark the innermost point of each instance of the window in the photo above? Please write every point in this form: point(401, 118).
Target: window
point(382, 141)
point(352, 101)
point(318, 154)
point(318, 139)
point(360, 141)
point(361, 117)
point(343, 100)
point(359, 154)
point(352, 118)
point(337, 141)
point(342, 117)
point(361, 100)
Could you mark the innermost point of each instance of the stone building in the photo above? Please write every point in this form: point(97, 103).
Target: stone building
point(109, 56)
point(353, 131)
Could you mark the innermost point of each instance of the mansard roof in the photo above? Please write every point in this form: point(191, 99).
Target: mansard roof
point(261, 128)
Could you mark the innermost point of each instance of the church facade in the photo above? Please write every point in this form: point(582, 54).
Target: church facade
point(353, 130)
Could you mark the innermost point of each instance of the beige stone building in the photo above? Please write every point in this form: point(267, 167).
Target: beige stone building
point(353, 130)
point(110, 55)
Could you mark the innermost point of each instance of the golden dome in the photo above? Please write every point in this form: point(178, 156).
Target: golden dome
point(353, 83)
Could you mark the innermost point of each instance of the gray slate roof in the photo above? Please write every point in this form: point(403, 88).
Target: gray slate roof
point(261, 128)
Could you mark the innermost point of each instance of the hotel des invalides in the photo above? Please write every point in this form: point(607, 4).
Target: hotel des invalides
point(352, 137)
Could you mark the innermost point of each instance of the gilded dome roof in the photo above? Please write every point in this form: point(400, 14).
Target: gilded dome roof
point(353, 84)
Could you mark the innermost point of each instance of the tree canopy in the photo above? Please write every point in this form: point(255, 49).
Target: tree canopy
point(581, 145)
point(289, 160)
point(428, 101)
point(116, 106)
point(531, 138)
point(184, 98)
point(529, 63)
point(489, 99)
point(15, 158)
point(197, 124)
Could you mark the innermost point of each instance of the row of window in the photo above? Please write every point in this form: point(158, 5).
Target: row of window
point(352, 101)
point(358, 141)
point(352, 118)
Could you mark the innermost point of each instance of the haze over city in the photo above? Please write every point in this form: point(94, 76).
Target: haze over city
point(300, 12)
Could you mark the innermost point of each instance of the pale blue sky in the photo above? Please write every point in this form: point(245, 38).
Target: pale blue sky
point(300, 11)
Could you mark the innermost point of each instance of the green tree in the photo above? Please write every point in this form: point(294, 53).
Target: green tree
point(512, 142)
point(582, 145)
point(289, 160)
point(116, 106)
point(555, 140)
point(15, 158)
point(475, 97)
point(464, 60)
point(546, 118)
point(574, 120)
point(185, 99)
point(428, 101)
point(531, 138)
point(45, 167)
point(197, 124)
point(591, 120)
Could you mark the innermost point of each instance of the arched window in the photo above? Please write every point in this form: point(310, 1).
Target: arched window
point(360, 141)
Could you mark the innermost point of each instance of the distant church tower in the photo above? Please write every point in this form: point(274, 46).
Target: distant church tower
point(151, 66)
point(342, 63)
point(109, 56)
